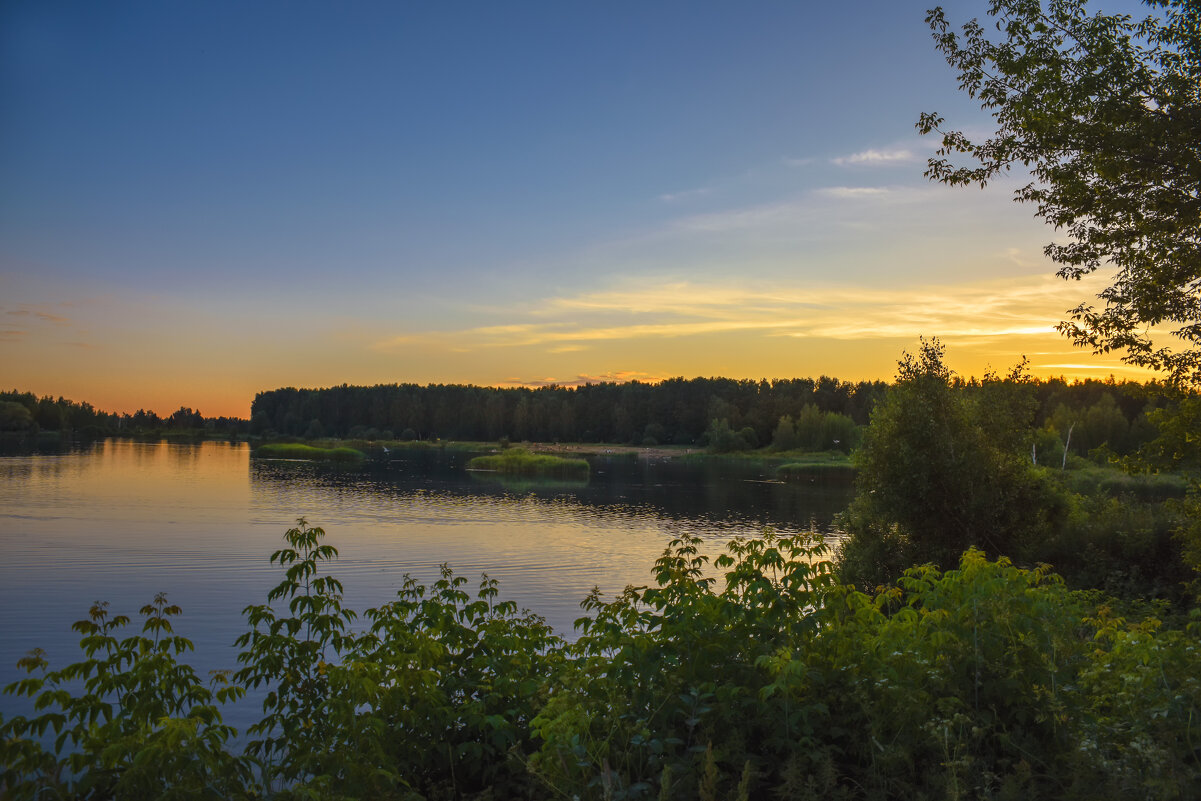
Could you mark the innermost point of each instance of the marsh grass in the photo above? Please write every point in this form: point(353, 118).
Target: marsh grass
point(518, 461)
point(796, 471)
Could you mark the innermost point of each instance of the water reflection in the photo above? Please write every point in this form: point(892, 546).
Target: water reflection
point(122, 520)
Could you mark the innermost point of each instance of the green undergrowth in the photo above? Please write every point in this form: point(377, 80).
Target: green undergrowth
point(754, 676)
point(518, 461)
point(297, 450)
point(1104, 480)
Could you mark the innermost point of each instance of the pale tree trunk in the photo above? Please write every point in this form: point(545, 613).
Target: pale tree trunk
point(1064, 466)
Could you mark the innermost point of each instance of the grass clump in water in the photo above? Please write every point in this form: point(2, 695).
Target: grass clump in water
point(518, 461)
point(795, 471)
point(298, 450)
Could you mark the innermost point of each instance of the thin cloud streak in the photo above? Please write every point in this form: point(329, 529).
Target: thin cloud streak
point(673, 197)
point(872, 157)
point(26, 310)
point(795, 213)
point(650, 310)
point(855, 192)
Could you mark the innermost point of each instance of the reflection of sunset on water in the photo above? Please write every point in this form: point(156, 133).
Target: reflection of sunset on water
point(120, 521)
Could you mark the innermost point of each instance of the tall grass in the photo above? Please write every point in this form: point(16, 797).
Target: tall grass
point(518, 461)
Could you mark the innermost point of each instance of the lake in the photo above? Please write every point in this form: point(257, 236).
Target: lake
point(120, 520)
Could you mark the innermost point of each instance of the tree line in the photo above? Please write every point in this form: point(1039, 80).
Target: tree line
point(26, 413)
point(1081, 415)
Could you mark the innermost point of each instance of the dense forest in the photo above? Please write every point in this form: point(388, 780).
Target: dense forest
point(26, 413)
point(1082, 415)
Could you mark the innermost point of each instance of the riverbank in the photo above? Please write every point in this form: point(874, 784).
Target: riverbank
point(375, 449)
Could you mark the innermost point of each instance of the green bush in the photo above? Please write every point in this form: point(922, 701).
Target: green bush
point(941, 470)
point(754, 676)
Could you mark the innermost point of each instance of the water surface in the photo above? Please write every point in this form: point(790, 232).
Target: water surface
point(120, 521)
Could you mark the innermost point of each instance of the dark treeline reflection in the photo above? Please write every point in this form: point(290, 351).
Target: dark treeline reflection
point(708, 491)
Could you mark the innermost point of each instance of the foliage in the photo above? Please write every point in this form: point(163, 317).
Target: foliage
point(63, 415)
point(721, 438)
point(1104, 111)
point(754, 676)
point(815, 430)
point(519, 461)
point(143, 726)
point(1117, 540)
point(1177, 444)
point(15, 417)
point(676, 411)
point(942, 469)
point(454, 685)
point(1178, 447)
point(668, 680)
point(292, 654)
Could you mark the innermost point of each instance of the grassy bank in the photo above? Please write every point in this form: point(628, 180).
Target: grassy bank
point(297, 450)
point(518, 461)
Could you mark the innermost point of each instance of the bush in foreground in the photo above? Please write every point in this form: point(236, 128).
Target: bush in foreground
point(985, 681)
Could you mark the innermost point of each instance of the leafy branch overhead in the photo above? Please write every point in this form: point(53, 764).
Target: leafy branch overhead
point(1105, 113)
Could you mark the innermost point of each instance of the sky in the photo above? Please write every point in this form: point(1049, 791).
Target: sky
point(204, 200)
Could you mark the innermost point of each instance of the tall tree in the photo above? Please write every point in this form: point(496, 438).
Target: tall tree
point(936, 478)
point(1104, 110)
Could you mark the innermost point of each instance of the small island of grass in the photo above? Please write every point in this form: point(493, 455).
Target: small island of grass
point(806, 465)
point(518, 461)
point(298, 450)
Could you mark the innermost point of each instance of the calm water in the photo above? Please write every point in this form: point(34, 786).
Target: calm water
point(121, 521)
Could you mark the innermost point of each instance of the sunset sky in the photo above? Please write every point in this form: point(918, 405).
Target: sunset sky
point(202, 200)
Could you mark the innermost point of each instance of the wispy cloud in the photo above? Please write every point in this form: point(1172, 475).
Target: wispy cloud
point(797, 162)
point(761, 216)
point(873, 157)
point(656, 310)
point(686, 194)
point(25, 310)
point(12, 335)
point(854, 192)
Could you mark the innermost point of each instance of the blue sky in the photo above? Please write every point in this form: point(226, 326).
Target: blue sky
point(202, 200)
